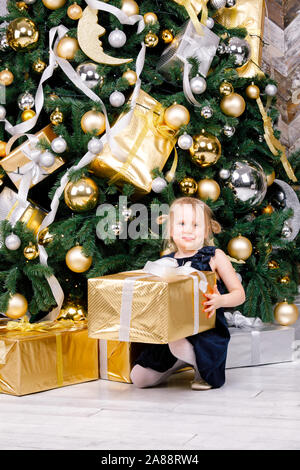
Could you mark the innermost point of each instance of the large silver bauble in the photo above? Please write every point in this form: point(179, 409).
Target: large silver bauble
point(25, 101)
point(12, 242)
point(218, 4)
point(159, 184)
point(248, 183)
point(95, 145)
point(87, 71)
point(185, 141)
point(117, 38)
point(117, 99)
point(59, 145)
point(271, 90)
point(2, 113)
point(198, 85)
point(240, 49)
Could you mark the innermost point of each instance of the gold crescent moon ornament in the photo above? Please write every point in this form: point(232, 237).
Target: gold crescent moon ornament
point(88, 33)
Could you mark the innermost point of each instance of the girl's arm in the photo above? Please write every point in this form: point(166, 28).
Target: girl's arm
point(225, 270)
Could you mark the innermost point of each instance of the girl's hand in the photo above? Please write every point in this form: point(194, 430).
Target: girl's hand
point(214, 301)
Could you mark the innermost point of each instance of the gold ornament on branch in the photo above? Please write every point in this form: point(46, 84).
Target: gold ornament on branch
point(31, 252)
point(176, 116)
point(82, 195)
point(285, 280)
point(21, 6)
point(167, 36)
point(39, 66)
point(151, 39)
point(270, 178)
point(150, 18)
point(286, 314)
point(93, 121)
point(22, 33)
point(56, 117)
point(252, 91)
point(188, 186)
point(77, 261)
point(27, 114)
point(208, 189)
point(54, 4)
point(2, 148)
point(233, 105)
point(206, 149)
point(45, 237)
point(268, 210)
point(17, 306)
point(72, 311)
point(272, 264)
point(240, 248)
point(74, 11)
point(67, 48)
point(226, 88)
point(6, 77)
point(130, 76)
point(130, 7)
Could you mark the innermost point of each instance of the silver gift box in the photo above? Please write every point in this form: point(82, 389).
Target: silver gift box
point(267, 345)
point(188, 43)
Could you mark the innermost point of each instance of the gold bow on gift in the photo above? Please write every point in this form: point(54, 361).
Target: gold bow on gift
point(273, 143)
point(193, 8)
point(24, 326)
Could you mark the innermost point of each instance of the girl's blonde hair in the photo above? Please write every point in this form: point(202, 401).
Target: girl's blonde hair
point(211, 225)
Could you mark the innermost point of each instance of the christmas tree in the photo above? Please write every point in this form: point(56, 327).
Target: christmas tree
point(126, 105)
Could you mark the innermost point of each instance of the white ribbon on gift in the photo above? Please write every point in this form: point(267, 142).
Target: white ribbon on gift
point(166, 268)
point(238, 320)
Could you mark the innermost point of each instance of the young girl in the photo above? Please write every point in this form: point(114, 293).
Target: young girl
point(190, 228)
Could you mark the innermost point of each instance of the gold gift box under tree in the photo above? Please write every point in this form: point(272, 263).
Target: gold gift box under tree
point(34, 361)
point(17, 162)
point(12, 210)
point(159, 310)
point(146, 141)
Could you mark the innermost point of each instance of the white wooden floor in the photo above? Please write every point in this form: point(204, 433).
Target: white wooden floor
point(258, 408)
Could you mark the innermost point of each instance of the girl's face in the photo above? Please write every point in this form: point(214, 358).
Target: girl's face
point(187, 227)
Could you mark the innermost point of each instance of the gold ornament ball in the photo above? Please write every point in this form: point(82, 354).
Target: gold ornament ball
point(226, 88)
point(151, 39)
point(39, 66)
point(74, 11)
point(252, 91)
point(270, 178)
point(77, 261)
point(233, 105)
point(272, 264)
point(176, 116)
point(208, 189)
point(240, 248)
point(21, 6)
point(286, 314)
point(82, 195)
point(206, 149)
point(167, 36)
point(45, 237)
point(67, 48)
point(31, 252)
point(285, 280)
point(130, 7)
point(2, 148)
point(56, 117)
point(17, 306)
point(93, 121)
point(27, 114)
point(130, 76)
point(268, 210)
point(188, 186)
point(6, 77)
point(22, 33)
point(54, 4)
point(72, 311)
point(150, 18)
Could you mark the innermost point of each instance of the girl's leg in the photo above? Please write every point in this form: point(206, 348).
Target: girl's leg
point(143, 377)
point(183, 350)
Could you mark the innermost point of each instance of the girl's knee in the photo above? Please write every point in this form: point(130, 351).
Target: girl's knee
point(138, 376)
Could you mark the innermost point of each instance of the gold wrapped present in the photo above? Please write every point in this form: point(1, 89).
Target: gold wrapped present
point(33, 361)
point(147, 142)
point(18, 161)
point(249, 14)
point(158, 304)
point(116, 360)
point(11, 209)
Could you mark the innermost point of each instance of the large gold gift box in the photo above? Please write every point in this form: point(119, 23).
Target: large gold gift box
point(130, 306)
point(34, 361)
point(11, 209)
point(17, 162)
point(146, 141)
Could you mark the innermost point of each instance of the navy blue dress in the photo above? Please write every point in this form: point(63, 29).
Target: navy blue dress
point(210, 346)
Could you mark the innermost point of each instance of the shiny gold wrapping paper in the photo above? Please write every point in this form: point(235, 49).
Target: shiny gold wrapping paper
point(162, 310)
point(148, 143)
point(249, 14)
point(16, 160)
point(35, 361)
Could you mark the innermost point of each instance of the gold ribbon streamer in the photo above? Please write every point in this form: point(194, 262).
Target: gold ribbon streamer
point(273, 143)
point(24, 326)
point(192, 12)
point(154, 122)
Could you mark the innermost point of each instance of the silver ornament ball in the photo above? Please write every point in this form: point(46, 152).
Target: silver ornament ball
point(198, 85)
point(230, 3)
point(221, 49)
point(185, 141)
point(117, 99)
point(210, 23)
point(271, 90)
point(2, 113)
point(47, 159)
point(228, 131)
point(25, 101)
point(59, 145)
point(95, 145)
point(240, 49)
point(12, 242)
point(87, 71)
point(224, 173)
point(117, 38)
point(3, 42)
point(159, 184)
point(218, 4)
point(206, 112)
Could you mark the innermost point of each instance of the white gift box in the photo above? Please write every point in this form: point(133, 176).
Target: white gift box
point(267, 345)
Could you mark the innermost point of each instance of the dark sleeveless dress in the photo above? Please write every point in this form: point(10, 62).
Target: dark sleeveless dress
point(210, 346)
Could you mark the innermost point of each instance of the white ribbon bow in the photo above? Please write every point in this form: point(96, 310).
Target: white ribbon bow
point(240, 321)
